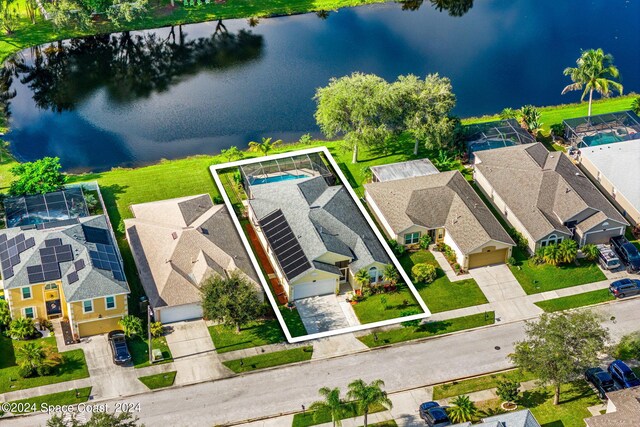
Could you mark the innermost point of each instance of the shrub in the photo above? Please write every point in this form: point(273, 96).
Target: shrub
point(590, 252)
point(131, 325)
point(391, 274)
point(424, 273)
point(44, 370)
point(635, 105)
point(425, 241)
point(26, 371)
point(628, 347)
point(306, 139)
point(512, 261)
point(396, 247)
point(508, 113)
point(408, 323)
point(441, 246)
point(557, 129)
point(22, 328)
point(156, 329)
point(508, 390)
point(456, 267)
point(5, 314)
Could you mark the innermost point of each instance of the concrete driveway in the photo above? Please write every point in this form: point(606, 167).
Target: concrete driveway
point(322, 313)
point(497, 282)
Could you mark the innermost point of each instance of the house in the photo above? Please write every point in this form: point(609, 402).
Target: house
point(522, 418)
point(444, 206)
point(179, 243)
point(545, 197)
point(314, 234)
point(68, 269)
point(623, 410)
point(614, 169)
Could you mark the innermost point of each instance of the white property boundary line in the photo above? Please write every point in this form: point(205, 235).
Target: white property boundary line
point(214, 172)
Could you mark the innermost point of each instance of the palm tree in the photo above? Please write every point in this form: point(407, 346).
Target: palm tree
point(362, 277)
point(591, 252)
point(635, 105)
point(551, 254)
point(463, 409)
point(22, 328)
point(368, 395)
point(332, 405)
point(265, 146)
point(594, 71)
point(391, 274)
point(33, 355)
point(568, 250)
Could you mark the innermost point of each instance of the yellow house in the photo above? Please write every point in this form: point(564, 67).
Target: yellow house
point(69, 269)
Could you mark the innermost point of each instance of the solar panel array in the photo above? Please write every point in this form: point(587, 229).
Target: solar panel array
point(105, 258)
point(10, 250)
point(284, 243)
point(53, 253)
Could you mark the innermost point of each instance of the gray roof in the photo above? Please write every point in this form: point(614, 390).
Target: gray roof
point(93, 282)
point(522, 418)
point(323, 218)
point(544, 190)
point(618, 163)
point(436, 201)
point(403, 170)
point(627, 410)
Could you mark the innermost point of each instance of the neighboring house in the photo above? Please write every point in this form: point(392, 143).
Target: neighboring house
point(522, 418)
point(545, 197)
point(623, 410)
point(178, 244)
point(444, 206)
point(614, 168)
point(314, 234)
point(70, 269)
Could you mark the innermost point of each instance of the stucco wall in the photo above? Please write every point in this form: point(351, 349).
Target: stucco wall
point(99, 309)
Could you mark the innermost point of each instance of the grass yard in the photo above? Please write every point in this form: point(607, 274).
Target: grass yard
point(262, 332)
point(293, 321)
point(575, 398)
point(139, 348)
point(401, 301)
point(484, 382)
point(443, 294)
point(69, 397)
point(268, 360)
point(388, 423)
point(161, 380)
point(351, 410)
point(575, 301)
point(73, 367)
point(407, 333)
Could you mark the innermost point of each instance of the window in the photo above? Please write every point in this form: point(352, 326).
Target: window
point(411, 238)
point(373, 275)
point(87, 306)
point(26, 293)
point(110, 303)
point(29, 313)
point(50, 286)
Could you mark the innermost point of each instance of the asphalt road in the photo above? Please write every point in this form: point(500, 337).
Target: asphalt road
point(401, 367)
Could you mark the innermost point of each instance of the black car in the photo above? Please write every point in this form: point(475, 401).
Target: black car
point(118, 343)
point(434, 414)
point(627, 252)
point(601, 380)
point(625, 288)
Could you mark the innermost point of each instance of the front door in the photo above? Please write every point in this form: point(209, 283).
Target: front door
point(52, 301)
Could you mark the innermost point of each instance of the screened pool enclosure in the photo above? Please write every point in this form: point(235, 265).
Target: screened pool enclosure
point(497, 134)
point(602, 129)
point(44, 208)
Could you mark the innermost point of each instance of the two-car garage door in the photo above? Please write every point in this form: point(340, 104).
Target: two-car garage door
point(321, 287)
point(178, 313)
point(488, 257)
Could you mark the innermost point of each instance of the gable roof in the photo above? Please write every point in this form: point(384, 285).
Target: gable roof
point(544, 190)
point(444, 200)
point(178, 243)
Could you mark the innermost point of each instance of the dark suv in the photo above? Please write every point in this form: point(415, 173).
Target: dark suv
point(623, 375)
point(601, 380)
point(627, 252)
point(118, 344)
point(434, 414)
point(625, 288)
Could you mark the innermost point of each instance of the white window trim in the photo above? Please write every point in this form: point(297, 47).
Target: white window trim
point(35, 312)
point(409, 236)
point(84, 310)
point(30, 293)
point(115, 303)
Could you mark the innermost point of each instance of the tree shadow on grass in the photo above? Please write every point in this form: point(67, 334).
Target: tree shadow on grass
point(434, 327)
point(111, 194)
point(347, 173)
point(557, 423)
point(533, 398)
point(69, 365)
point(7, 353)
point(392, 146)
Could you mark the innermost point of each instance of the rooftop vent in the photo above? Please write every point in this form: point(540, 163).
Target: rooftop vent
point(174, 235)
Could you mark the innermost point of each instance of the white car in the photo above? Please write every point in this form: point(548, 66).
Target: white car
point(607, 257)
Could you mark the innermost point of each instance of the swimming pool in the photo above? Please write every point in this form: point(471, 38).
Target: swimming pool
point(600, 139)
point(277, 178)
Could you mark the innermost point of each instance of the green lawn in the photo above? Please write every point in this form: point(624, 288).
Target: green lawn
point(73, 367)
point(262, 332)
point(575, 301)
point(268, 360)
point(575, 398)
point(293, 321)
point(69, 397)
point(371, 309)
point(430, 329)
point(139, 348)
point(443, 294)
point(484, 382)
point(350, 410)
point(164, 379)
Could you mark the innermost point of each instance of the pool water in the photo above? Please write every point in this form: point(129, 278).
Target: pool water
point(277, 178)
point(600, 139)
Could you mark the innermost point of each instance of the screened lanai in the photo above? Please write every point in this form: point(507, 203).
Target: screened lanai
point(602, 129)
point(43, 208)
point(284, 169)
point(497, 134)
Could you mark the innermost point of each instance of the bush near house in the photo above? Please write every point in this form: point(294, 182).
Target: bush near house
point(423, 273)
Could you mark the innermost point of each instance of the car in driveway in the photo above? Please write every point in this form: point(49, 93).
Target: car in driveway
point(119, 349)
point(625, 288)
point(607, 257)
point(601, 380)
point(627, 252)
point(434, 415)
point(623, 375)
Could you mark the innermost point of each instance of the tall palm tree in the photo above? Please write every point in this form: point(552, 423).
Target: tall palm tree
point(332, 405)
point(462, 410)
point(265, 146)
point(362, 277)
point(551, 254)
point(594, 71)
point(368, 395)
point(391, 274)
point(568, 250)
point(34, 355)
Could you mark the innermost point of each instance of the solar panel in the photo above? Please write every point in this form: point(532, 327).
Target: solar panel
point(52, 275)
point(72, 277)
point(79, 264)
point(49, 243)
point(7, 273)
point(14, 260)
point(53, 266)
point(3, 238)
point(119, 275)
point(30, 242)
point(45, 259)
point(47, 251)
point(96, 235)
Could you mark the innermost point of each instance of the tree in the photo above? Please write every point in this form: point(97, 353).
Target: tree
point(362, 277)
point(591, 252)
point(9, 17)
point(231, 300)
point(22, 328)
point(69, 14)
point(551, 254)
point(35, 357)
point(331, 405)
point(424, 273)
point(508, 390)
point(232, 153)
point(98, 419)
point(39, 177)
point(123, 11)
point(594, 72)
point(368, 395)
point(635, 105)
point(5, 314)
point(391, 274)
point(560, 346)
point(265, 146)
point(131, 325)
point(444, 161)
point(462, 409)
point(424, 241)
point(531, 118)
point(508, 113)
point(356, 106)
point(567, 251)
point(156, 329)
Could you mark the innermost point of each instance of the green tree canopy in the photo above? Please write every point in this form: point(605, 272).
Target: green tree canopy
point(331, 404)
point(368, 395)
point(131, 325)
point(39, 177)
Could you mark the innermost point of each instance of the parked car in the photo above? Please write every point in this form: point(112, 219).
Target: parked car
point(625, 288)
point(601, 380)
point(627, 252)
point(119, 349)
point(607, 257)
point(434, 414)
point(623, 375)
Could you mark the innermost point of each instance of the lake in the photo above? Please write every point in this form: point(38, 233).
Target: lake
point(132, 99)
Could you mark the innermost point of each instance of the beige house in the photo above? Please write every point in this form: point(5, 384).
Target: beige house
point(623, 410)
point(545, 197)
point(613, 168)
point(179, 243)
point(444, 206)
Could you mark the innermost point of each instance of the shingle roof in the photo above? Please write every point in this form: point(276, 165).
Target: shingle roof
point(627, 414)
point(435, 201)
point(544, 190)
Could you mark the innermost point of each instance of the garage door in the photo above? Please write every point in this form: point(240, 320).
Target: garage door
point(97, 327)
point(603, 236)
point(323, 287)
point(487, 258)
point(180, 312)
